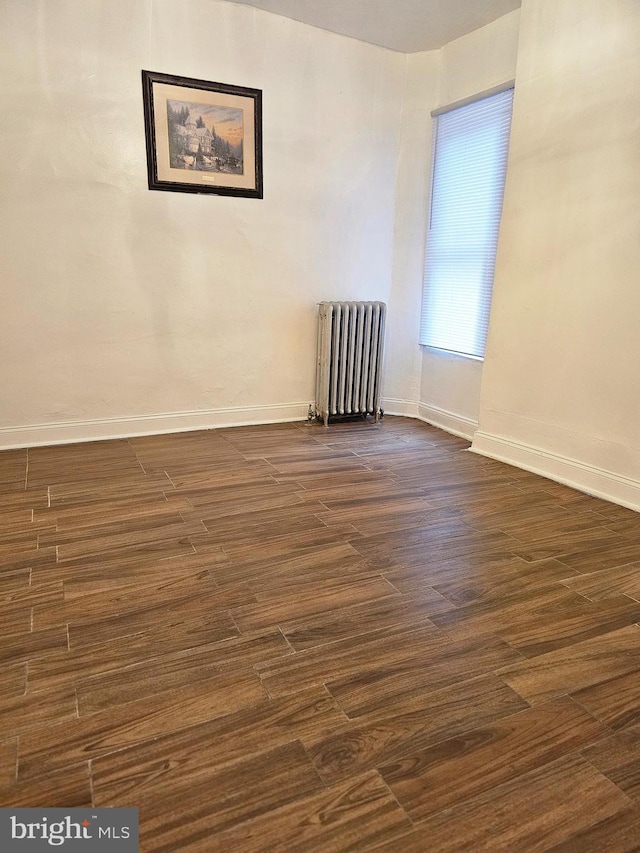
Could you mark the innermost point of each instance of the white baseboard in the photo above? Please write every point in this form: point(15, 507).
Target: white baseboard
point(571, 472)
point(403, 408)
point(448, 421)
point(70, 432)
point(441, 418)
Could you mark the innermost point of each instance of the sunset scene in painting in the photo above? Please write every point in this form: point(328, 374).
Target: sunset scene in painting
point(205, 137)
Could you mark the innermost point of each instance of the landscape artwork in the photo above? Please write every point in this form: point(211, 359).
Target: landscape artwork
point(205, 137)
point(202, 137)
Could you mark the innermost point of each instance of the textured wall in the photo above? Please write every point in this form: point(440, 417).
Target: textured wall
point(561, 374)
point(119, 302)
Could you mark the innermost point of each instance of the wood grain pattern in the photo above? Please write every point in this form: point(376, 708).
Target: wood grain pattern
point(575, 667)
point(64, 667)
point(37, 710)
point(298, 638)
point(20, 646)
point(581, 621)
point(8, 762)
point(424, 720)
point(608, 583)
point(214, 799)
point(343, 622)
point(68, 788)
point(217, 742)
point(114, 686)
point(615, 701)
point(461, 767)
point(13, 680)
point(618, 757)
point(116, 728)
point(303, 600)
point(352, 815)
point(619, 833)
point(500, 581)
point(357, 656)
point(431, 667)
point(533, 813)
point(214, 604)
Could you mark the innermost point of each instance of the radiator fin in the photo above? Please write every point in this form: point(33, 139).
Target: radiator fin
point(350, 349)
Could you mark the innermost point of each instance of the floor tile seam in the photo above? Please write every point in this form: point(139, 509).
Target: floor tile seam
point(554, 540)
point(300, 584)
point(603, 599)
point(136, 455)
point(227, 763)
point(26, 471)
point(209, 521)
point(489, 596)
point(566, 648)
point(380, 717)
point(495, 791)
point(144, 508)
point(610, 586)
point(358, 634)
point(76, 698)
point(88, 534)
point(80, 683)
point(312, 763)
point(309, 795)
point(467, 623)
point(565, 582)
point(395, 799)
point(16, 761)
point(284, 637)
point(219, 671)
point(119, 552)
point(33, 728)
point(597, 573)
point(405, 752)
point(500, 672)
point(627, 537)
point(609, 729)
point(386, 630)
point(454, 606)
point(99, 618)
point(630, 800)
point(465, 676)
point(91, 788)
point(143, 532)
point(151, 739)
point(154, 657)
point(145, 741)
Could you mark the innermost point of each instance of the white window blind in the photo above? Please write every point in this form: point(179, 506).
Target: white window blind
point(469, 166)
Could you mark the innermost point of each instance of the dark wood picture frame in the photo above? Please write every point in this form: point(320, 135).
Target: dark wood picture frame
point(202, 137)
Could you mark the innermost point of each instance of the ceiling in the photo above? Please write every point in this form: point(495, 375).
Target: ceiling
point(404, 25)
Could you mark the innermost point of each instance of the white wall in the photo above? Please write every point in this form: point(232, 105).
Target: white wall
point(403, 362)
point(560, 392)
point(450, 384)
point(127, 310)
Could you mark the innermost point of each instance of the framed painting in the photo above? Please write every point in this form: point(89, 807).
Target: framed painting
point(202, 137)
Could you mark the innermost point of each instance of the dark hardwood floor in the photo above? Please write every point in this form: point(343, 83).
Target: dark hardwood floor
point(291, 638)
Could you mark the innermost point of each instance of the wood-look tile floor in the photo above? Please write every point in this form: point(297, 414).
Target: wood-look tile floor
point(291, 638)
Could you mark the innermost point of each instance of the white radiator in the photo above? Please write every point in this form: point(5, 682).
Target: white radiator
point(350, 345)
